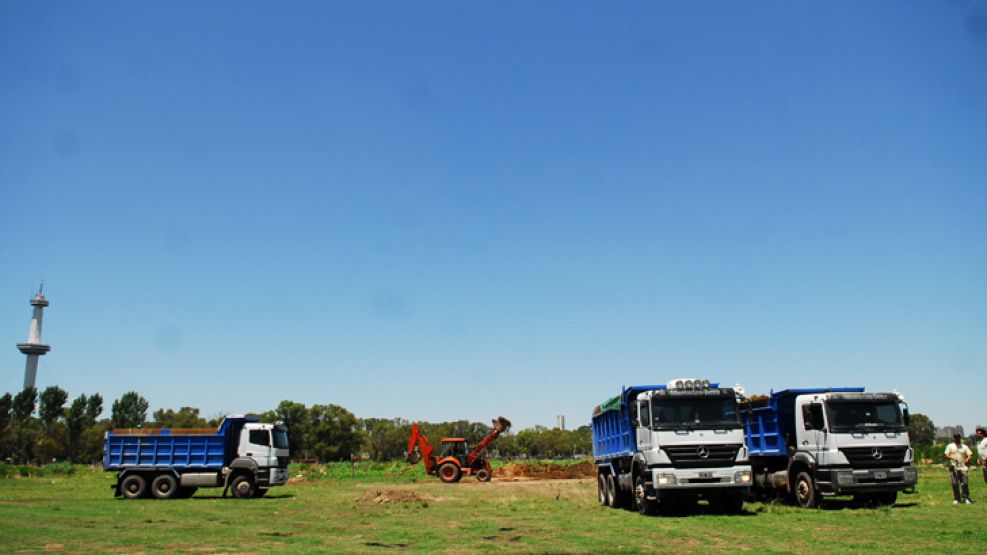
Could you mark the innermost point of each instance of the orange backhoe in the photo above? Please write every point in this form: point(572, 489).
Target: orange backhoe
point(455, 460)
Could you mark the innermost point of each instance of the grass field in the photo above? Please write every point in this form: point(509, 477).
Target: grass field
point(335, 512)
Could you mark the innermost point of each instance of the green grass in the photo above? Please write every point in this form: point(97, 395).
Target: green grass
point(326, 512)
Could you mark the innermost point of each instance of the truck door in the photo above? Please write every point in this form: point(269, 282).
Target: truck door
point(256, 444)
point(644, 425)
point(812, 429)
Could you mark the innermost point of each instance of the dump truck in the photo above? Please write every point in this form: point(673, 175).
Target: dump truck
point(243, 456)
point(811, 443)
point(671, 445)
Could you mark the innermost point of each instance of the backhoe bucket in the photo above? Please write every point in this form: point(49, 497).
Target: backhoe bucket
point(501, 424)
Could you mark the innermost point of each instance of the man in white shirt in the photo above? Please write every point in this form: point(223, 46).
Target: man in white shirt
point(957, 455)
point(982, 451)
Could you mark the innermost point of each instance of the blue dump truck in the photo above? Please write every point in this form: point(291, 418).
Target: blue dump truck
point(808, 443)
point(671, 445)
point(243, 455)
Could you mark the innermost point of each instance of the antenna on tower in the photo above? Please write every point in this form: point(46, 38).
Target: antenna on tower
point(41, 289)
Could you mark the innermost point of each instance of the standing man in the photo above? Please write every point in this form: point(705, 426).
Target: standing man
point(957, 456)
point(982, 451)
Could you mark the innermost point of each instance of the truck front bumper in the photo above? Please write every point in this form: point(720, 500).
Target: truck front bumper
point(840, 481)
point(666, 479)
point(268, 477)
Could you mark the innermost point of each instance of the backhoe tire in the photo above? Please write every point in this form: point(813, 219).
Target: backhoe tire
point(483, 475)
point(601, 488)
point(164, 486)
point(133, 486)
point(805, 491)
point(243, 487)
point(450, 473)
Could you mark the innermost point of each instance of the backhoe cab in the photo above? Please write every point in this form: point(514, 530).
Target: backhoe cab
point(455, 460)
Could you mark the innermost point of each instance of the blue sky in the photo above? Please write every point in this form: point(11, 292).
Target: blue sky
point(459, 210)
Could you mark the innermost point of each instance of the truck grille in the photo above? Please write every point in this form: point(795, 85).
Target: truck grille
point(875, 457)
point(283, 462)
point(702, 456)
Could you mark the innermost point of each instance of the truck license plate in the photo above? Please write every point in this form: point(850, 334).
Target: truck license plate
point(881, 475)
point(705, 475)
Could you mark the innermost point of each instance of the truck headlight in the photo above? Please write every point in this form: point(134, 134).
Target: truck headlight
point(909, 455)
point(666, 479)
point(742, 477)
point(844, 478)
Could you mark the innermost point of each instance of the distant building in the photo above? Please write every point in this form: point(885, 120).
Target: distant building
point(560, 421)
point(947, 432)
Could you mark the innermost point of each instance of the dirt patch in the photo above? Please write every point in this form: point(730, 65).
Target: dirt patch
point(545, 471)
point(390, 496)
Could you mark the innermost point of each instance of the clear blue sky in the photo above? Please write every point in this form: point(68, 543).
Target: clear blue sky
point(450, 210)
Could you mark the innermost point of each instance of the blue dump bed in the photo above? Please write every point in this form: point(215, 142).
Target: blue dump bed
point(613, 432)
point(767, 426)
point(198, 449)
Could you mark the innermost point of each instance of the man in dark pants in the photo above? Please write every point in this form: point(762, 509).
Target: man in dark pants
point(982, 451)
point(958, 455)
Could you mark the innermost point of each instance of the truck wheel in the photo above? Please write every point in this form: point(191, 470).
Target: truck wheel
point(483, 475)
point(643, 505)
point(730, 504)
point(164, 486)
point(186, 492)
point(612, 493)
point(805, 491)
point(601, 488)
point(243, 487)
point(450, 472)
point(133, 486)
point(887, 498)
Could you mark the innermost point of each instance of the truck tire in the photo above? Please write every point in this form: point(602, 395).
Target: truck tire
point(243, 486)
point(450, 473)
point(601, 488)
point(261, 492)
point(643, 505)
point(886, 499)
point(612, 493)
point(133, 486)
point(805, 491)
point(730, 504)
point(164, 486)
point(185, 492)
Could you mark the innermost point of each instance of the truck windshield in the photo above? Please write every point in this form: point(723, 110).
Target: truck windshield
point(693, 413)
point(280, 438)
point(864, 415)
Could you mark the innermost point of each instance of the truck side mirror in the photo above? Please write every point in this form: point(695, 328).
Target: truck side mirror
point(905, 416)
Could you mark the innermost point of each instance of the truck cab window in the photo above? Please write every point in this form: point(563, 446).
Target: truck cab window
point(812, 415)
point(260, 437)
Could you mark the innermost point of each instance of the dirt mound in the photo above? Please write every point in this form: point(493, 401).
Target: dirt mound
point(545, 471)
point(390, 496)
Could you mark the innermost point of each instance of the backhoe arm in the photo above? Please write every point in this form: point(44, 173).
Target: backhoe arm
point(424, 448)
point(500, 425)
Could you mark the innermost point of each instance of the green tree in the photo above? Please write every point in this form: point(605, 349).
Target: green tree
point(921, 430)
point(335, 433)
point(75, 424)
point(24, 404)
point(295, 417)
point(129, 411)
point(186, 417)
point(6, 439)
point(387, 439)
point(94, 408)
point(51, 405)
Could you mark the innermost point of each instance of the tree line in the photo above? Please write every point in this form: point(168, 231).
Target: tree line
point(39, 428)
